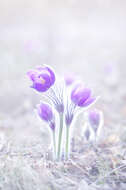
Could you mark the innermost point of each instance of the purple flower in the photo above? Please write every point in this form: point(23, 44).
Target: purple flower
point(69, 79)
point(46, 114)
point(42, 77)
point(81, 96)
point(94, 117)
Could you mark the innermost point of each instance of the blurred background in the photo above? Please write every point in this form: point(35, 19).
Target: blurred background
point(87, 38)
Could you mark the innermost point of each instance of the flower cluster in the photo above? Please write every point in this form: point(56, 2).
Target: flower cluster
point(63, 101)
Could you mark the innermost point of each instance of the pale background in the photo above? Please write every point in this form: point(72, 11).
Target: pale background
point(87, 38)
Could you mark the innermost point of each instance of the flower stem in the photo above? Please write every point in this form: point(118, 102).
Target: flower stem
point(60, 136)
point(54, 144)
point(67, 142)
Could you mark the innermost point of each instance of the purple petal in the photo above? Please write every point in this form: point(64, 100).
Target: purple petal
point(52, 75)
point(40, 87)
point(45, 112)
point(88, 102)
point(94, 117)
point(80, 94)
point(32, 74)
point(84, 96)
point(48, 74)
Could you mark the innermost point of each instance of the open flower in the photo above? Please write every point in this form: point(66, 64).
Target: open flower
point(82, 96)
point(42, 77)
point(46, 114)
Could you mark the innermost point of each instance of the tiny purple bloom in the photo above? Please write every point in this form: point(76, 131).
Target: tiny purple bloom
point(94, 117)
point(69, 79)
point(42, 77)
point(45, 112)
point(81, 96)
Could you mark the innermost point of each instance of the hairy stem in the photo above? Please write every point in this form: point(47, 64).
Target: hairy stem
point(54, 144)
point(60, 136)
point(67, 142)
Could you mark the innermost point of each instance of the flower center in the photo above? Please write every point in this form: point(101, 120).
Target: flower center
point(42, 80)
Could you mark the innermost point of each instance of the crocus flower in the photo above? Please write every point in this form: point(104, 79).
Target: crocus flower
point(95, 119)
point(42, 77)
point(82, 96)
point(69, 79)
point(46, 114)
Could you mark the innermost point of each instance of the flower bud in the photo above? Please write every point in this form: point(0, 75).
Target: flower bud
point(45, 112)
point(69, 79)
point(81, 96)
point(95, 118)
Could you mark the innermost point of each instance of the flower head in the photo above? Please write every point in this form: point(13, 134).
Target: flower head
point(46, 114)
point(69, 79)
point(81, 96)
point(95, 119)
point(42, 77)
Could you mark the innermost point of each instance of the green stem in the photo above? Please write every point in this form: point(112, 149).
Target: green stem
point(60, 136)
point(67, 142)
point(54, 144)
